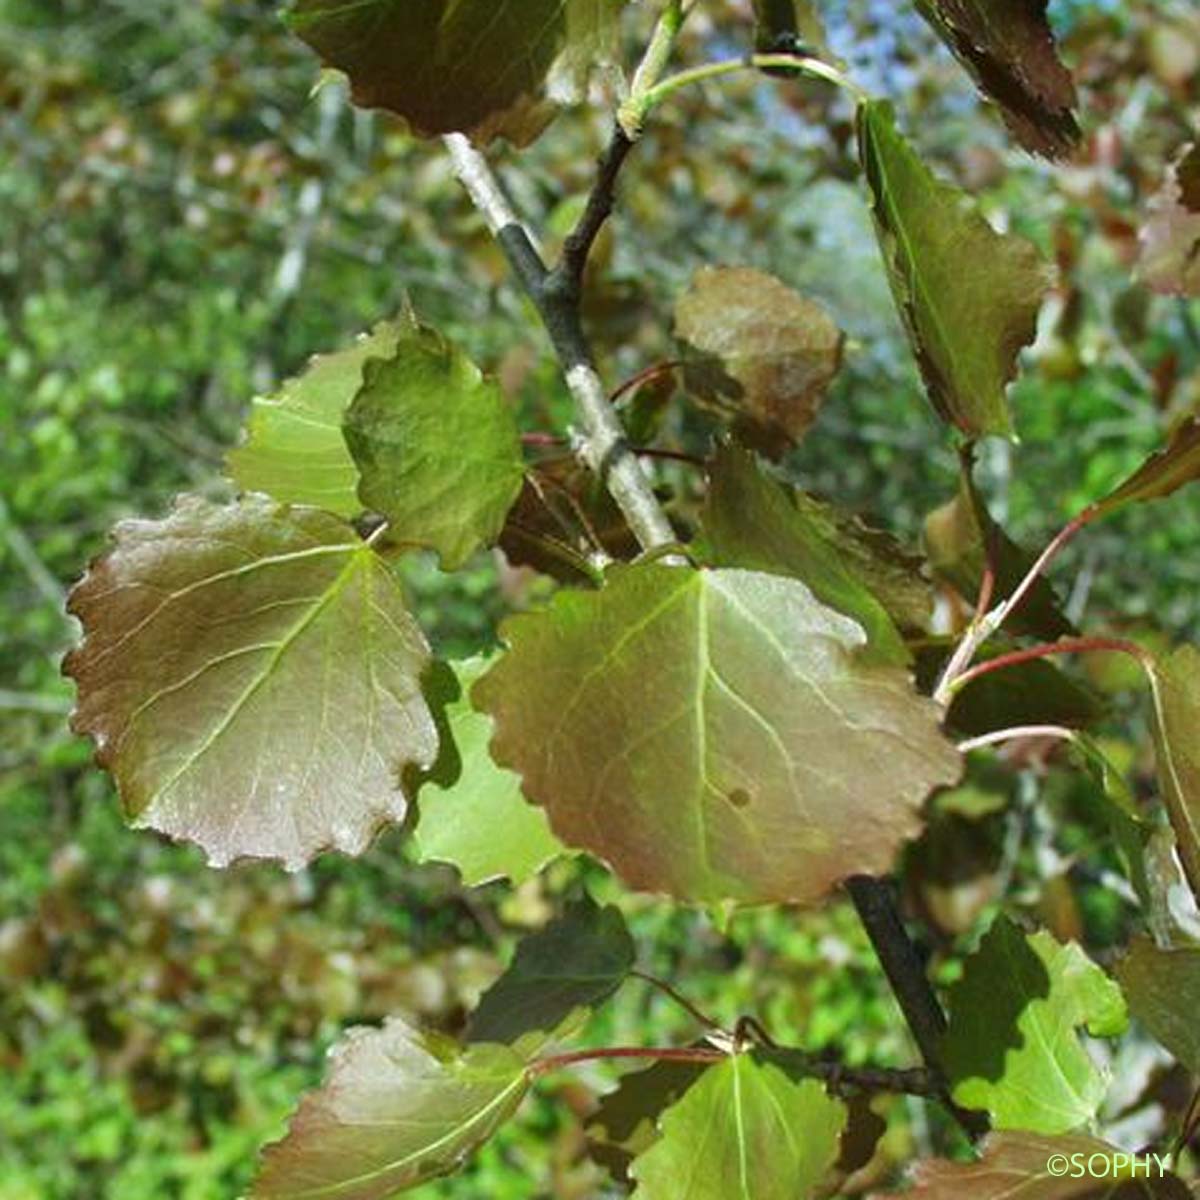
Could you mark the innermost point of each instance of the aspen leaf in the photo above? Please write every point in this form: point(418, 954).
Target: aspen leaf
point(1162, 987)
point(758, 352)
point(397, 1108)
point(714, 734)
point(437, 447)
point(481, 67)
point(1012, 1047)
point(1175, 687)
point(293, 448)
point(252, 679)
point(472, 812)
point(968, 296)
point(1025, 1166)
point(744, 1129)
point(1008, 47)
point(559, 973)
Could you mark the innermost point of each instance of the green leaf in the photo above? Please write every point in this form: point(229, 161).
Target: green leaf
point(1170, 259)
point(576, 963)
point(743, 1131)
point(1162, 988)
point(251, 677)
point(758, 352)
point(472, 812)
point(754, 522)
point(1012, 1047)
point(397, 1108)
point(968, 295)
point(1024, 1166)
point(958, 539)
point(482, 67)
point(1175, 686)
point(437, 447)
point(1162, 473)
point(1130, 833)
point(625, 1122)
point(714, 734)
point(1008, 47)
point(293, 448)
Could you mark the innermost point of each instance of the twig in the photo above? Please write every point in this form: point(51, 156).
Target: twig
point(603, 445)
point(999, 736)
point(913, 1081)
point(1046, 650)
point(634, 382)
point(906, 973)
point(679, 998)
point(579, 241)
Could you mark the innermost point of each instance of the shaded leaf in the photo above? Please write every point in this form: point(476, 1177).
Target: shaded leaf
point(1170, 238)
point(483, 67)
point(251, 677)
point(293, 448)
point(960, 536)
point(1012, 1047)
point(1018, 1166)
point(472, 812)
point(694, 729)
point(1163, 473)
point(743, 1129)
point(758, 352)
point(546, 527)
point(397, 1108)
point(1008, 47)
point(577, 962)
point(754, 522)
point(437, 447)
point(1162, 988)
point(1130, 833)
point(1032, 693)
point(625, 1123)
point(1175, 686)
point(969, 296)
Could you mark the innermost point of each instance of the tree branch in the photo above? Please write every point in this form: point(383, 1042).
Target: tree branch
point(905, 972)
point(603, 446)
point(579, 241)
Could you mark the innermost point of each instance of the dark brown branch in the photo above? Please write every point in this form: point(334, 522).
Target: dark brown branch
point(600, 202)
point(905, 971)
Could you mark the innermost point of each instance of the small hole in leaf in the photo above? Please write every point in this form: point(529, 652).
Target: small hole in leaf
point(739, 797)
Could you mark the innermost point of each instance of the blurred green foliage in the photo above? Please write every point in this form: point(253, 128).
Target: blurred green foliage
point(183, 221)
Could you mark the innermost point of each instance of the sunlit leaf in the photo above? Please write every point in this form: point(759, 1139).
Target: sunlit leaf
point(758, 352)
point(1170, 260)
point(251, 677)
point(754, 522)
point(744, 1129)
point(1008, 47)
point(1162, 988)
point(437, 447)
point(961, 537)
point(397, 1108)
point(1028, 1166)
point(293, 448)
point(472, 812)
point(483, 67)
point(1164, 472)
point(713, 734)
point(1012, 1046)
point(1175, 681)
point(576, 963)
point(968, 295)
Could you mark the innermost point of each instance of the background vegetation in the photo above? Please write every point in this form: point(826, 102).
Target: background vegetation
point(182, 221)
